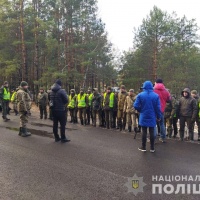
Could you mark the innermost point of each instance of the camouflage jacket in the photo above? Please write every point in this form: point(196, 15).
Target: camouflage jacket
point(128, 104)
point(23, 100)
point(42, 99)
point(121, 100)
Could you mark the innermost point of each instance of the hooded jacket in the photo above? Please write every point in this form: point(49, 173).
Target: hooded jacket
point(187, 105)
point(59, 97)
point(147, 104)
point(163, 94)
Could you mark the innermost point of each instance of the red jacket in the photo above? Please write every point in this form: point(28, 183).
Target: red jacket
point(164, 95)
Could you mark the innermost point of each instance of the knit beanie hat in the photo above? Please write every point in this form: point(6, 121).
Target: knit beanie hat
point(159, 80)
point(194, 92)
point(23, 83)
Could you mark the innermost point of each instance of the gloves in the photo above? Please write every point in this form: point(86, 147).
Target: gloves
point(25, 112)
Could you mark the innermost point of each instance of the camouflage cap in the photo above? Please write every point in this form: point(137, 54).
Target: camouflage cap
point(193, 92)
point(131, 90)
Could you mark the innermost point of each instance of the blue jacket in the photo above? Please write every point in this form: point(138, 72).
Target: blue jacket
point(59, 97)
point(147, 104)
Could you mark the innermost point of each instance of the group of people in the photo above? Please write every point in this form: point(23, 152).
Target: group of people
point(154, 108)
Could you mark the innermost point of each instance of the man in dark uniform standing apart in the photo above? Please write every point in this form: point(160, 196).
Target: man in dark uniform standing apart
point(58, 100)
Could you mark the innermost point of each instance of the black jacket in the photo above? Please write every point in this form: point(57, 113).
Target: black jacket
point(187, 106)
point(96, 102)
point(59, 98)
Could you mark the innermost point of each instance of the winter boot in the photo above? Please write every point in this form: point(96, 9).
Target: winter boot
point(124, 127)
point(20, 131)
point(129, 128)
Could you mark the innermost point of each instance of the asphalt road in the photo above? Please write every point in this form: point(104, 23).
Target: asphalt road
point(96, 165)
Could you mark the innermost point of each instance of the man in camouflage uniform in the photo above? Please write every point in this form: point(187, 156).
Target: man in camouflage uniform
point(42, 102)
point(5, 99)
point(130, 110)
point(169, 114)
point(24, 106)
point(121, 116)
point(82, 104)
point(72, 105)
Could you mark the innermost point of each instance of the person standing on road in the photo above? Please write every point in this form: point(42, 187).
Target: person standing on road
point(147, 104)
point(96, 107)
point(165, 97)
point(42, 102)
point(109, 102)
point(24, 106)
point(121, 115)
point(5, 99)
point(130, 110)
point(187, 111)
point(89, 108)
point(72, 105)
point(197, 120)
point(82, 104)
point(58, 100)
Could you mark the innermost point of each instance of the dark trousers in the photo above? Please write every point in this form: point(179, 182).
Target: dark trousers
point(114, 118)
point(89, 114)
point(72, 112)
point(95, 113)
point(174, 123)
point(109, 118)
point(59, 116)
point(5, 108)
point(43, 111)
point(144, 136)
point(186, 120)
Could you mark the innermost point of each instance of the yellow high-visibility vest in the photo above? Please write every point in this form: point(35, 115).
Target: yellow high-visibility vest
point(81, 101)
point(71, 101)
point(6, 94)
point(111, 100)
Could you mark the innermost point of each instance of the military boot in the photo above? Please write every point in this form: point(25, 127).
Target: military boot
point(85, 122)
point(20, 131)
point(25, 132)
point(129, 128)
point(81, 121)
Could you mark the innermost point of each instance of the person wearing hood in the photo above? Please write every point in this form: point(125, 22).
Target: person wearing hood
point(147, 104)
point(187, 112)
point(58, 100)
point(165, 97)
point(24, 106)
point(197, 120)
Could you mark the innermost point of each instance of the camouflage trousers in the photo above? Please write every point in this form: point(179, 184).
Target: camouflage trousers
point(131, 119)
point(121, 117)
point(169, 122)
point(23, 119)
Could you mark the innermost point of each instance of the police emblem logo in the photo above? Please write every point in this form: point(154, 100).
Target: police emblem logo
point(135, 184)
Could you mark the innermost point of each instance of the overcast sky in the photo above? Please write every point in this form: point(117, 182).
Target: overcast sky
point(121, 16)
